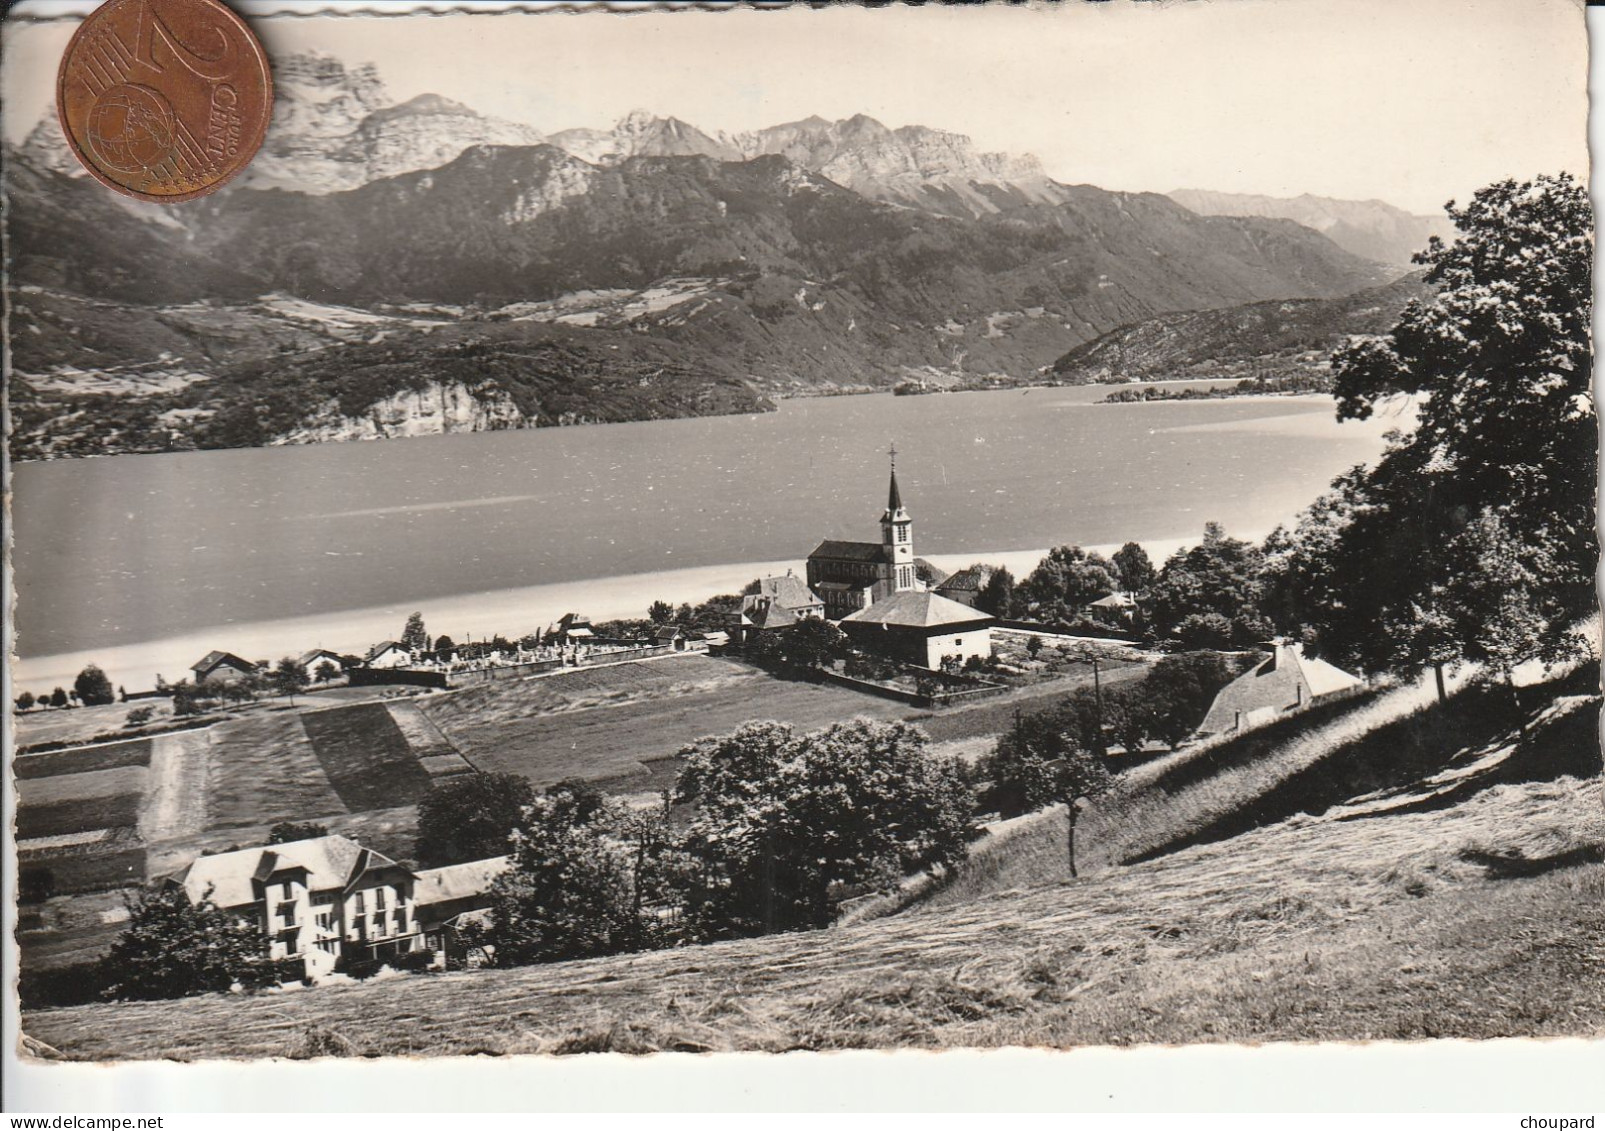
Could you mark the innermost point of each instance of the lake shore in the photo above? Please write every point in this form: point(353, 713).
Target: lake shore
point(511, 612)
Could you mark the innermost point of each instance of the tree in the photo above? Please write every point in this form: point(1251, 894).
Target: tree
point(139, 716)
point(290, 677)
point(414, 637)
point(569, 893)
point(1033, 645)
point(1135, 569)
point(1204, 630)
point(1081, 775)
point(661, 612)
point(1498, 599)
point(93, 688)
point(286, 831)
point(808, 645)
point(470, 818)
point(443, 645)
point(326, 671)
point(997, 595)
point(784, 827)
point(25, 701)
point(1178, 692)
point(58, 697)
point(1022, 761)
point(173, 948)
point(1220, 576)
point(186, 700)
point(1500, 365)
point(1068, 580)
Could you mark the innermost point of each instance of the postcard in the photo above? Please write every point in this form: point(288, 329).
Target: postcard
point(711, 531)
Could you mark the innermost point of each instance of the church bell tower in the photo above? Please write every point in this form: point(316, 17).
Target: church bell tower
point(897, 536)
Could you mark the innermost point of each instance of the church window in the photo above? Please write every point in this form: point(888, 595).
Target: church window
point(902, 534)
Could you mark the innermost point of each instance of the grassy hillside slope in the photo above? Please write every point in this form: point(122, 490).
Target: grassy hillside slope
point(1462, 897)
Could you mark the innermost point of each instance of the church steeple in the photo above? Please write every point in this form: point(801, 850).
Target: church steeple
point(897, 535)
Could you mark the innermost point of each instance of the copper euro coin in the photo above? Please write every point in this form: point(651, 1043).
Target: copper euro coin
point(164, 100)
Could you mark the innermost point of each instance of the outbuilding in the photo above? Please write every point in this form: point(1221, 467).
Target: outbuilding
point(920, 628)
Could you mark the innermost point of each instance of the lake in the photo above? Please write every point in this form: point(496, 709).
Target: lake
point(131, 549)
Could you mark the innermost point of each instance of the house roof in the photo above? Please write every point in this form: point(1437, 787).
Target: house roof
point(458, 881)
point(767, 614)
point(967, 580)
point(669, 632)
point(850, 551)
point(1114, 601)
point(216, 659)
point(787, 590)
point(312, 657)
point(917, 610)
point(1283, 680)
point(329, 862)
point(387, 646)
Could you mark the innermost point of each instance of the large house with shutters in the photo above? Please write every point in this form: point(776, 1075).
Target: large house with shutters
point(313, 899)
point(322, 899)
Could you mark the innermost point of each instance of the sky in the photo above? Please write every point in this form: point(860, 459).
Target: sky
point(1409, 101)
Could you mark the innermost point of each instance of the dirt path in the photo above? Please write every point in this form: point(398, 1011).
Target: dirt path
point(175, 793)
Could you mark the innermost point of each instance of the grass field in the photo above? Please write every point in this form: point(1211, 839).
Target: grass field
point(366, 757)
point(109, 756)
point(80, 724)
point(617, 724)
point(1317, 928)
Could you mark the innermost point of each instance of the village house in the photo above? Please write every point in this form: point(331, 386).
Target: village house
point(1285, 681)
point(965, 586)
point(921, 629)
point(388, 655)
point(779, 603)
point(787, 592)
point(316, 658)
point(222, 667)
point(575, 629)
point(452, 897)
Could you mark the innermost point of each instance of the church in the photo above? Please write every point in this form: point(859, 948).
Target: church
point(874, 590)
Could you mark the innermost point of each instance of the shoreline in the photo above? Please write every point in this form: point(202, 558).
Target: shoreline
point(511, 612)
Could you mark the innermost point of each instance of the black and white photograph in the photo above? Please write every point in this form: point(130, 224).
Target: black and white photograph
point(835, 528)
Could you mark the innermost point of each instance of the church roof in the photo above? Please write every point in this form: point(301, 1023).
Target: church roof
point(916, 610)
point(850, 551)
point(894, 497)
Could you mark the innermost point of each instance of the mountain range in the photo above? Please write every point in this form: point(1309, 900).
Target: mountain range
point(648, 270)
point(1372, 229)
point(1256, 339)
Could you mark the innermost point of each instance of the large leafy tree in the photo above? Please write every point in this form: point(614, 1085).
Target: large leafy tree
point(570, 891)
point(93, 688)
point(172, 947)
point(785, 826)
point(1212, 588)
point(1135, 568)
point(471, 818)
point(1399, 568)
point(1068, 580)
